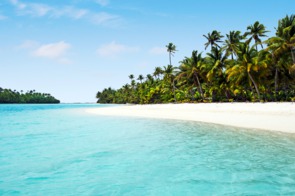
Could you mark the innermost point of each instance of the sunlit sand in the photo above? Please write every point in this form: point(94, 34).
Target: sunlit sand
point(266, 116)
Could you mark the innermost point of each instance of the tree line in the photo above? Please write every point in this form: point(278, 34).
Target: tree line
point(240, 67)
point(13, 96)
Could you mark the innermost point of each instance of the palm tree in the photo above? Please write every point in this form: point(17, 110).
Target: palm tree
point(133, 83)
point(232, 42)
point(169, 76)
point(248, 62)
point(149, 77)
point(171, 48)
point(215, 66)
point(256, 31)
point(213, 39)
point(216, 61)
point(285, 37)
point(282, 48)
point(140, 78)
point(131, 76)
point(158, 71)
point(191, 68)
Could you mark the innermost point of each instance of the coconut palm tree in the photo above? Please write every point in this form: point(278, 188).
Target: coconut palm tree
point(171, 49)
point(284, 42)
point(232, 42)
point(256, 31)
point(149, 78)
point(244, 68)
point(140, 78)
point(191, 68)
point(131, 77)
point(282, 49)
point(213, 39)
point(215, 64)
point(158, 71)
point(169, 76)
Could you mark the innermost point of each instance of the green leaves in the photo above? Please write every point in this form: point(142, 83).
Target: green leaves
point(237, 71)
point(256, 31)
point(213, 39)
point(9, 96)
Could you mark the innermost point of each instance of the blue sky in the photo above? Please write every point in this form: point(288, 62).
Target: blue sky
point(73, 48)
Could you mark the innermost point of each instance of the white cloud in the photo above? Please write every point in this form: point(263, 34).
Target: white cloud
point(103, 18)
point(42, 10)
point(113, 49)
point(33, 9)
point(102, 2)
point(158, 50)
point(55, 51)
point(52, 50)
point(69, 12)
point(39, 9)
point(18, 4)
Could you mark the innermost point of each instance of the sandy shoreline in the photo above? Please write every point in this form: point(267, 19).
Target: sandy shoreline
point(266, 116)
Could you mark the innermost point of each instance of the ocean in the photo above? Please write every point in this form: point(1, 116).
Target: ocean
point(63, 150)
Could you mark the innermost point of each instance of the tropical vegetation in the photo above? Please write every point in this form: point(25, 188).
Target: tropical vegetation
point(13, 96)
point(240, 66)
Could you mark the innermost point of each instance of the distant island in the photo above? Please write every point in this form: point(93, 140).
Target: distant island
point(242, 67)
point(13, 96)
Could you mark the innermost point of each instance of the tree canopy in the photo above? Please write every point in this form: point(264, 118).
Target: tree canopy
point(235, 69)
point(13, 96)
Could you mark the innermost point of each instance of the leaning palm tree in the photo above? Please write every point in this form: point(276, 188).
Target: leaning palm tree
point(171, 48)
point(282, 48)
point(213, 39)
point(256, 31)
point(232, 42)
point(190, 68)
point(245, 67)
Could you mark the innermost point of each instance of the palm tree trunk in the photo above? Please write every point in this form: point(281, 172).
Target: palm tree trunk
point(276, 81)
point(255, 85)
point(213, 96)
point(293, 54)
point(199, 84)
point(227, 94)
point(174, 92)
point(232, 56)
point(170, 58)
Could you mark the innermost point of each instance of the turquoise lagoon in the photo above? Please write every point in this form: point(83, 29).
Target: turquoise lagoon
point(63, 150)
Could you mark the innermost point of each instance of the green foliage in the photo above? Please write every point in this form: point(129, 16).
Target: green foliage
point(9, 96)
point(238, 71)
point(213, 39)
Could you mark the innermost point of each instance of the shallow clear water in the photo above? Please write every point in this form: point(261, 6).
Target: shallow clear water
point(62, 150)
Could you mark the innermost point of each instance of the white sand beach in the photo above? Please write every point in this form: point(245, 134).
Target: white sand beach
point(266, 116)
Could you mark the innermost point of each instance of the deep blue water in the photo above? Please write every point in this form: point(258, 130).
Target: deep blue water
point(62, 150)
